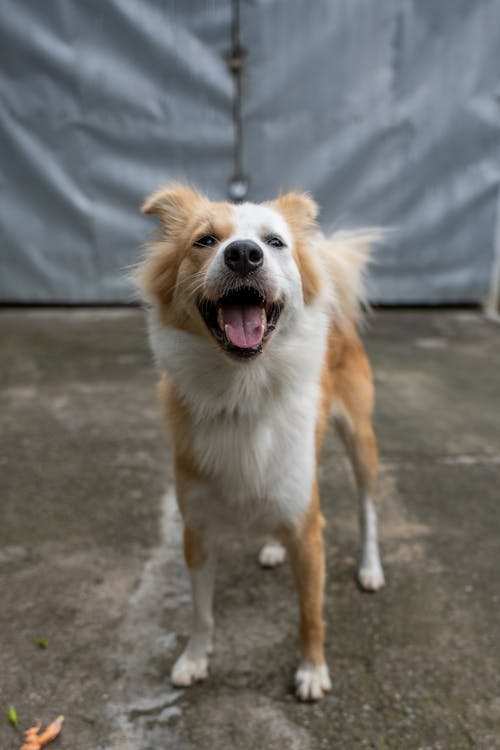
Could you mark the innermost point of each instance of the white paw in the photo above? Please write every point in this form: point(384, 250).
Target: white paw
point(188, 670)
point(371, 578)
point(271, 555)
point(312, 682)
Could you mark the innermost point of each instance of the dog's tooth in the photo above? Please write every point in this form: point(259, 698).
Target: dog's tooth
point(220, 318)
point(263, 316)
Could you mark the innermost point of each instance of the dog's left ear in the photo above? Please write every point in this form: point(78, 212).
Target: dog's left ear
point(300, 212)
point(173, 205)
point(299, 209)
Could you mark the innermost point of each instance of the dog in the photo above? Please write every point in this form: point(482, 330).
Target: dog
point(253, 323)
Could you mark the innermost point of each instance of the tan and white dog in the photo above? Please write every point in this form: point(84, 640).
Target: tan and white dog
point(252, 321)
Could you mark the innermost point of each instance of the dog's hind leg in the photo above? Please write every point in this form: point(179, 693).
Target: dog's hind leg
point(192, 665)
point(353, 419)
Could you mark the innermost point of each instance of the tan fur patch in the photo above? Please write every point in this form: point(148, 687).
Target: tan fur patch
point(305, 549)
point(300, 212)
point(173, 204)
point(310, 272)
point(194, 552)
point(174, 270)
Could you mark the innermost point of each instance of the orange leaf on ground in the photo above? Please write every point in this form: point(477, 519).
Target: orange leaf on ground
point(34, 741)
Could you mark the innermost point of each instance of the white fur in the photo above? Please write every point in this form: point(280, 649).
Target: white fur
point(192, 665)
point(311, 682)
point(370, 572)
point(189, 669)
point(272, 554)
point(279, 273)
point(253, 423)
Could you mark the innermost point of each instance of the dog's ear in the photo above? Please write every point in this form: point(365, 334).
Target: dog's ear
point(300, 212)
point(173, 205)
point(299, 209)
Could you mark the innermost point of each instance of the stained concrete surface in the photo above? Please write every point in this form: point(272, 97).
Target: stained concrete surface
point(90, 554)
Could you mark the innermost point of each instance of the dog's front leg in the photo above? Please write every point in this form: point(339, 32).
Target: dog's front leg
point(192, 665)
point(305, 548)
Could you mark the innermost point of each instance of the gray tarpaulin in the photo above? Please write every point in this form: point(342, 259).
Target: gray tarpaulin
point(388, 112)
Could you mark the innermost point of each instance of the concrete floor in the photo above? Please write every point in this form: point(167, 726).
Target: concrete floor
point(90, 554)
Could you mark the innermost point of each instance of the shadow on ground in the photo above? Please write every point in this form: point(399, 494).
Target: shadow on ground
point(90, 554)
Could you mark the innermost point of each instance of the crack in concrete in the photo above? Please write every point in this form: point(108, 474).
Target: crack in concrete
point(140, 692)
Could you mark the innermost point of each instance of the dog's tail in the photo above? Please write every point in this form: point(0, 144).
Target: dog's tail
point(346, 255)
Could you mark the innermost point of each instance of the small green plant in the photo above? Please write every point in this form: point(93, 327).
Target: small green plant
point(12, 716)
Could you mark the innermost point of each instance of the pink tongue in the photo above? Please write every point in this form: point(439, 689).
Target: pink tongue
point(243, 325)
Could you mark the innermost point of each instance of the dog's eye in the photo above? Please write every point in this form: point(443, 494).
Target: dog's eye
point(208, 240)
point(275, 241)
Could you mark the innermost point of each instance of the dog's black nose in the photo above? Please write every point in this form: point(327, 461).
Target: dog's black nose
point(243, 257)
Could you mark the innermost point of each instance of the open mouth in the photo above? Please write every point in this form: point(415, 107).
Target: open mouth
point(241, 321)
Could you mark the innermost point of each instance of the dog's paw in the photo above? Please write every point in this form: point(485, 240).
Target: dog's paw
point(188, 670)
point(311, 683)
point(371, 578)
point(271, 555)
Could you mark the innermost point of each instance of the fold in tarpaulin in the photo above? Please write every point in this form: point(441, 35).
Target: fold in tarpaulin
point(389, 113)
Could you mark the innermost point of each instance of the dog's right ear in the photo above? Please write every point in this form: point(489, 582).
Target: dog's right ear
point(173, 205)
point(299, 209)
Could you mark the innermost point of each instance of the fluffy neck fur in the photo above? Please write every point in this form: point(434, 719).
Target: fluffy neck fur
point(213, 386)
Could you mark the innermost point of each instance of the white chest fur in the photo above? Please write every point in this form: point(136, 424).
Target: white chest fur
point(252, 425)
point(262, 466)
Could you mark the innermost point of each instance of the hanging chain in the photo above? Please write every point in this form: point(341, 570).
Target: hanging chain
point(238, 183)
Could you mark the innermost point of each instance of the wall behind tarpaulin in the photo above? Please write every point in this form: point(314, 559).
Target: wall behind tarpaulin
point(388, 112)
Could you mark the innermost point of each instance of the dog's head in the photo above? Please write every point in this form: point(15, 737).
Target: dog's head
point(235, 274)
